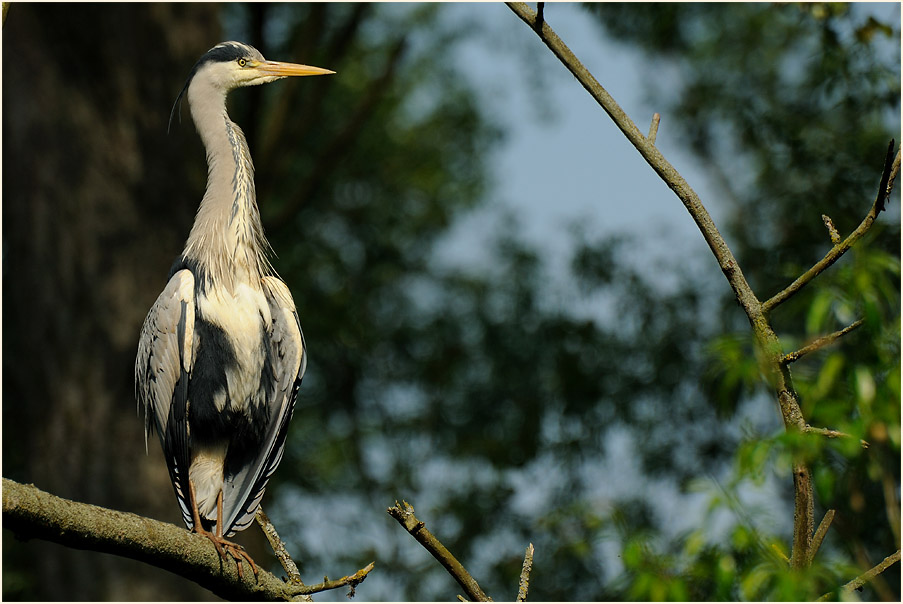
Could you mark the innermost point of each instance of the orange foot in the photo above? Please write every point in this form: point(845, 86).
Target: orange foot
point(224, 547)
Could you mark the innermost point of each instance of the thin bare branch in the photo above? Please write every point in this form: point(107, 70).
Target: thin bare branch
point(819, 343)
point(865, 577)
point(888, 176)
point(524, 584)
point(832, 434)
point(820, 533)
point(278, 545)
point(404, 514)
point(653, 127)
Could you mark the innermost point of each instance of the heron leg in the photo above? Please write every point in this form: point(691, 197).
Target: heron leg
point(235, 550)
point(222, 545)
point(198, 527)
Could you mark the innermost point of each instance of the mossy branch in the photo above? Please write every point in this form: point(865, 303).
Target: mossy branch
point(31, 513)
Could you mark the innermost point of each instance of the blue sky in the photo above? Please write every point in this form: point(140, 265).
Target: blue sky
point(564, 161)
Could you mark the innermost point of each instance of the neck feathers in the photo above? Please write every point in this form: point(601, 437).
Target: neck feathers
point(227, 238)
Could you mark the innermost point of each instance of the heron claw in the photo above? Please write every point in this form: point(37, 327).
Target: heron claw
point(236, 551)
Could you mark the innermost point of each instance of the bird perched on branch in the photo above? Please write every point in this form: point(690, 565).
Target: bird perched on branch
point(221, 354)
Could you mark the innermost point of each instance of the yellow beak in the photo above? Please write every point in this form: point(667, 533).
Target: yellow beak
point(277, 68)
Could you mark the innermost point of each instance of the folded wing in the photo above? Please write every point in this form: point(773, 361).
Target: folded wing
point(288, 360)
point(162, 372)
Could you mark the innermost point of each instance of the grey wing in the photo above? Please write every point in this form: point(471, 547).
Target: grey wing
point(288, 361)
point(162, 372)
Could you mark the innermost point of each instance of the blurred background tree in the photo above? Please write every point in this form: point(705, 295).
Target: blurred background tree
point(486, 395)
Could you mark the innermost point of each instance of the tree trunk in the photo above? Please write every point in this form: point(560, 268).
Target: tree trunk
point(96, 201)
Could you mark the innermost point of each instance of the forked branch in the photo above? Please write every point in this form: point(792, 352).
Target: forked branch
point(278, 545)
point(888, 177)
point(768, 344)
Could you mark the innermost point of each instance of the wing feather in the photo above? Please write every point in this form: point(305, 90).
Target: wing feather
point(162, 370)
point(288, 356)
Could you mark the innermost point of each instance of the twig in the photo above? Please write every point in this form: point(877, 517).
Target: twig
point(404, 514)
point(353, 581)
point(278, 546)
point(866, 576)
point(832, 434)
point(653, 127)
point(820, 533)
point(819, 343)
point(888, 176)
point(832, 231)
point(524, 583)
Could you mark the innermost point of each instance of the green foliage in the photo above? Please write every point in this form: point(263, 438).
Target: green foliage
point(782, 103)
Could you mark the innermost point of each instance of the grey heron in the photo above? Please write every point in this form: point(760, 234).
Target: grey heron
point(221, 353)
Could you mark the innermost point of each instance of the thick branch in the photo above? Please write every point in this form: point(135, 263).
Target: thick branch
point(404, 514)
point(866, 576)
point(888, 176)
point(819, 343)
point(34, 514)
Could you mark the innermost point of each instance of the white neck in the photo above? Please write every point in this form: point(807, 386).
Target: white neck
point(227, 237)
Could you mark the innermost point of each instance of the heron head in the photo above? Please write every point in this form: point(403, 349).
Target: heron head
point(231, 65)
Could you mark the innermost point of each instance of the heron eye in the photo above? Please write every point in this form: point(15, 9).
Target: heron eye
point(242, 62)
